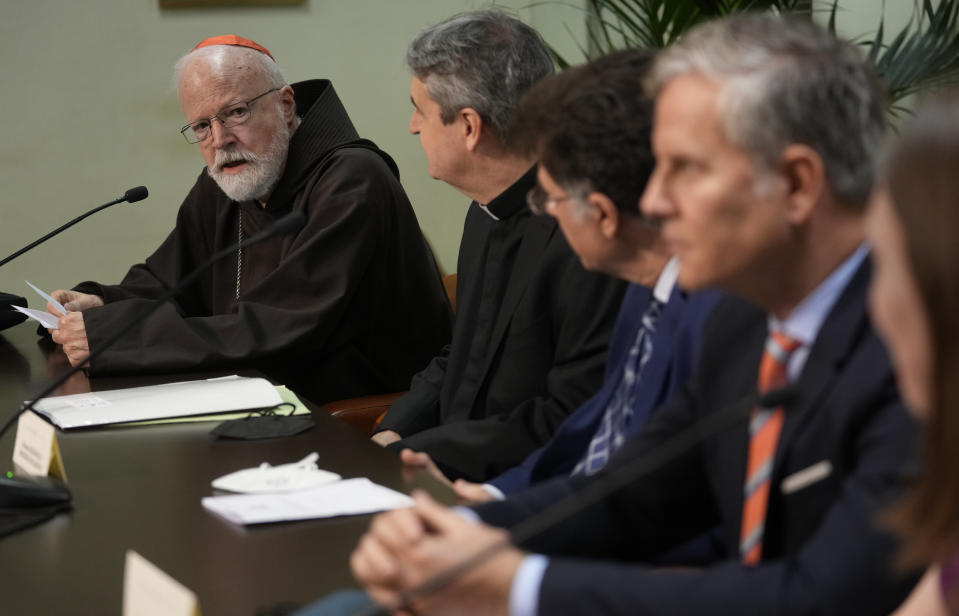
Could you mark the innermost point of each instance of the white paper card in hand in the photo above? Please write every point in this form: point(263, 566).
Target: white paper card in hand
point(49, 321)
point(47, 297)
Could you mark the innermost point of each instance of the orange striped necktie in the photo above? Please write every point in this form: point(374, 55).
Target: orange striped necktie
point(764, 428)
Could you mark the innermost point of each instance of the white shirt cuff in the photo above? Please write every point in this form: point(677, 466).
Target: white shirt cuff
point(494, 491)
point(524, 593)
point(467, 513)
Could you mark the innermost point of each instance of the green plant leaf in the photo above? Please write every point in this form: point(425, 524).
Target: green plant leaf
point(921, 56)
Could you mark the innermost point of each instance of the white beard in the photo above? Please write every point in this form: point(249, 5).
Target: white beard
point(262, 173)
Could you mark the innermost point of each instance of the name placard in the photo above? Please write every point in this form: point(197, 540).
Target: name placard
point(148, 591)
point(35, 451)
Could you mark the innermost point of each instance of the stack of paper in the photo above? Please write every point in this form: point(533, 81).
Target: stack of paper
point(187, 398)
point(347, 497)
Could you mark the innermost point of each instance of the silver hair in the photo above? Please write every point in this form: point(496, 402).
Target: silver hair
point(485, 60)
point(786, 81)
point(229, 60)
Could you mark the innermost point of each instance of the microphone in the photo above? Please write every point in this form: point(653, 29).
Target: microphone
point(10, 488)
point(597, 490)
point(9, 318)
point(137, 193)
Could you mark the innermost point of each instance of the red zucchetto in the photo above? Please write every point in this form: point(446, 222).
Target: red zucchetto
point(232, 39)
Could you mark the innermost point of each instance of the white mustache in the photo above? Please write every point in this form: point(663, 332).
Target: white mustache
point(224, 157)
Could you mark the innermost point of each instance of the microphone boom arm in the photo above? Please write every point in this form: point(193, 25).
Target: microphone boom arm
point(132, 195)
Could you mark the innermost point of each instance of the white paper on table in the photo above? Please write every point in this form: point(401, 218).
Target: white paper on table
point(348, 497)
point(47, 297)
point(186, 398)
point(43, 317)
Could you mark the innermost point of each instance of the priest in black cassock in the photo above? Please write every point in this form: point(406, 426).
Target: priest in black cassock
point(352, 304)
point(532, 326)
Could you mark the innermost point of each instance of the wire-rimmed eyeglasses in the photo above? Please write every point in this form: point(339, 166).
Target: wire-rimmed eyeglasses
point(234, 115)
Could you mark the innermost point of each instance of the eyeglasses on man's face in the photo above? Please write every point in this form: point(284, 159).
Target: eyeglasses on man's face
point(234, 115)
point(538, 199)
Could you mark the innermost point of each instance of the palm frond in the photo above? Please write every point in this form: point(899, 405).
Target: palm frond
point(923, 55)
point(658, 23)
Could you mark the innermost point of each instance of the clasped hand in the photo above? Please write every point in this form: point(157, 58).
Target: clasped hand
point(406, 547)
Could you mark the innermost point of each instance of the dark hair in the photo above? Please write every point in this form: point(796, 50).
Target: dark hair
point(484, 60)
point(921, 179)
point(590, 127)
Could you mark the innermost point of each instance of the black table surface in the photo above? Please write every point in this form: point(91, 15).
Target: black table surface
point(139, 488)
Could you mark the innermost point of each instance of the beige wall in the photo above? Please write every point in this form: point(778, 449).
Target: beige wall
point(861, 17)
point(88, 110)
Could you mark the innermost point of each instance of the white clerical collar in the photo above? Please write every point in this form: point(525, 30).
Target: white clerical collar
point(486, 209)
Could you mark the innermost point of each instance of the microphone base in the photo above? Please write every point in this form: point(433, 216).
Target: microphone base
point(22, 493)
point(28, 501)
point(8, 316)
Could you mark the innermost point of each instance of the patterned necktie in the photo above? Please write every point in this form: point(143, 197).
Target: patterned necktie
point(615, 422)
point(764, 428)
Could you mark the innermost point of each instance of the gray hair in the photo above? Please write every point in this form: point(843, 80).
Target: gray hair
point(485, 60)
point(786, 81)
point(230, 60)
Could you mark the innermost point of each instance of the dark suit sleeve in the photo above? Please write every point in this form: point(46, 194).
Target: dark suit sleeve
point(650, 512)
point(419, 408)
point(845, 567)
point(564, 447)
point(520, 476)
point(580, 328)
point(673, 352)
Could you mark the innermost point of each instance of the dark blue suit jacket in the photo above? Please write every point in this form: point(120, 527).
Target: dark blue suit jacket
point(675, 349)
point(824, 549)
